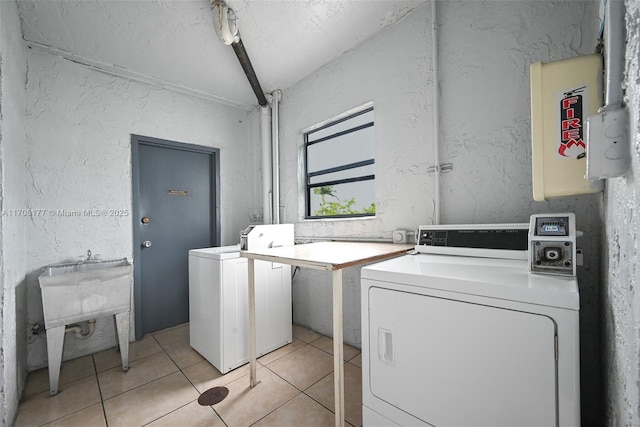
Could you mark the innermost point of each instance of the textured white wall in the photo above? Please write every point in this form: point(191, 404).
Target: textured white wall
point(392, 70)
point(78, 126)
point(621, 296)
point(485, 49)
point(12, 227)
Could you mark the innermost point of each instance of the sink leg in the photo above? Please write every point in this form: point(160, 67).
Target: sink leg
point(122, 326)
point(55, 343)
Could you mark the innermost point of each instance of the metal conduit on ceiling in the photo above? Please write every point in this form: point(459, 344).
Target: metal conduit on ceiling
point(226, 26)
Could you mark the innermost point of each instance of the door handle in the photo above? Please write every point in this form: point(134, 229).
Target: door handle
point(146, 244)
point(385, 346)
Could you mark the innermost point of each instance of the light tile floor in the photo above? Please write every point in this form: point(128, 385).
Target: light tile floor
point(166, 377)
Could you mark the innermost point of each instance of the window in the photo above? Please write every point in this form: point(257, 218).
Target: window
point(339, 159)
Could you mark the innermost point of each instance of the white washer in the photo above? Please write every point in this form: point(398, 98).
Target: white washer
point(463, 341)
point(219, 306)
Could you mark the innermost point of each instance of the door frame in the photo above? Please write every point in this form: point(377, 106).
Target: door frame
point(214, 156)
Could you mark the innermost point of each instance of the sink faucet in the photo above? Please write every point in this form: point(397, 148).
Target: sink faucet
point(89, 256)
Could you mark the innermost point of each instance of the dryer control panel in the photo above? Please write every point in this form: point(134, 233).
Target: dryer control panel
point(552, 244)
point(507, 241)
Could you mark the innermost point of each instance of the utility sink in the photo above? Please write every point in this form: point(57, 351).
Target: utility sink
point(74, 293)
point(83, 291)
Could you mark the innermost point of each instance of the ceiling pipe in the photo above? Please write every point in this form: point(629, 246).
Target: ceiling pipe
point(243, 57)
point(226, 25)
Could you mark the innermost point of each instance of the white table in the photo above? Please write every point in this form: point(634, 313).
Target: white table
point(333, 256)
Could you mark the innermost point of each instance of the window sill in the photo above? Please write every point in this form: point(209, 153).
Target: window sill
point(359, 218)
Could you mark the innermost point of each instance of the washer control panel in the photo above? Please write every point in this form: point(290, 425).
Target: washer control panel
point(552, 244)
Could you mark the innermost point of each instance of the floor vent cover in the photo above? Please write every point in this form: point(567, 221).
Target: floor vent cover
point(213, 395)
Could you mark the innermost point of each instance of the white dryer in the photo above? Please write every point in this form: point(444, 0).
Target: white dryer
point(467, 341)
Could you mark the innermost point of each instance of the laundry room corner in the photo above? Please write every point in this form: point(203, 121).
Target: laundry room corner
point(85, 168)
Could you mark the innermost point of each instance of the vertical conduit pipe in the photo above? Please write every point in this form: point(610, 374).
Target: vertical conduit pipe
point(436, 109)
point(614, 52)
point(275, 147)
point(265, 148)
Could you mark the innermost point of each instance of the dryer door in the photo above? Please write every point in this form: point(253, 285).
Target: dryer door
point(453, 363)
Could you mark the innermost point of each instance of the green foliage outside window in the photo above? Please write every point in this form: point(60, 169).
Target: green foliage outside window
point(330, 208)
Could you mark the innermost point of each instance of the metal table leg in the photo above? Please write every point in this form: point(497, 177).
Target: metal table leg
point(252, 322)
point(338, 364)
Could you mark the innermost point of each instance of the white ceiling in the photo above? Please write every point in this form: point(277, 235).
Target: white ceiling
point(174, 42)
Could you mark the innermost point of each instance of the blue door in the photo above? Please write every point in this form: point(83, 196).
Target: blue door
point(175, 210)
